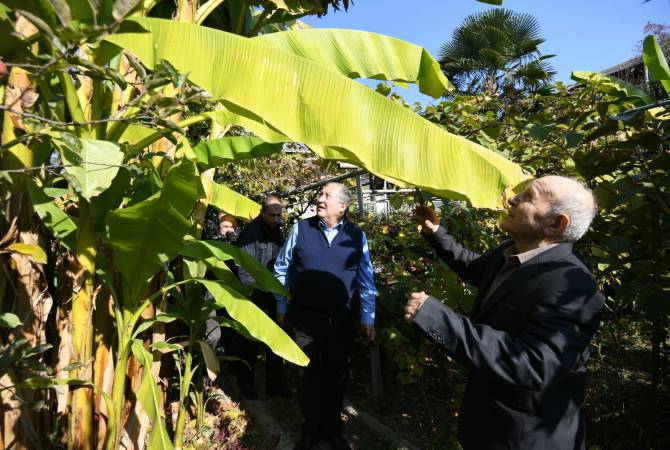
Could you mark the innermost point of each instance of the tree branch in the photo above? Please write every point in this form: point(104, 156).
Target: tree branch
point(139, 118)
point(318, 184)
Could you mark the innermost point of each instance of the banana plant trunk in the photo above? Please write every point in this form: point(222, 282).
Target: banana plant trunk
point(80, 429)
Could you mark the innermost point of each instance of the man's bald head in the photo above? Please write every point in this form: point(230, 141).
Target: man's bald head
point(271, 210)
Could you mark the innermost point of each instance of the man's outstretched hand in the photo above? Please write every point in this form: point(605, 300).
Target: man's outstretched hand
point(368, 332)
point(281, 320)
point(427, 218)
point(414, 303)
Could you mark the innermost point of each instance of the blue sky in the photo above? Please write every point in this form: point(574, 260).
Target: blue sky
point(588, 35)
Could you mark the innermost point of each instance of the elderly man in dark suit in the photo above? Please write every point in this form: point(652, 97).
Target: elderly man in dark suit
point(526, 341)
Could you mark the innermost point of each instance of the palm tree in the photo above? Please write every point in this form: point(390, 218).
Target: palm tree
point(496, 51)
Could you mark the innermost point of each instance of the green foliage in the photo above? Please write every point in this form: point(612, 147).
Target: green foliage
point(149, 396)
point(655, 62)
point(149, 234)
point(217, 152)
point(90, 165)
point(404, 264)
point(9, 320)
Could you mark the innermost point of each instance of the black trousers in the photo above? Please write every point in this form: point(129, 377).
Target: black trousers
point(327, 340)
point(247, 350)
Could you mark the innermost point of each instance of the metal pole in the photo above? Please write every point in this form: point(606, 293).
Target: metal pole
point(359, 193)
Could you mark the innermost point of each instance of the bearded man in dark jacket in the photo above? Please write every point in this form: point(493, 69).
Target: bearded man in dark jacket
point(262, 239)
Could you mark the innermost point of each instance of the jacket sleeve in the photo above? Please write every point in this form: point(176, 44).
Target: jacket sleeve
point(249, 247)
point(552, 343)
point(467, 264)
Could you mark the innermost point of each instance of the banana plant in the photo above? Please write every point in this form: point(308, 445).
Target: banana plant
point(124, 210)
point(299, 100)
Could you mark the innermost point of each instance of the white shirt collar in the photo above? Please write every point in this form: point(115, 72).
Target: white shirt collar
point(527, 255)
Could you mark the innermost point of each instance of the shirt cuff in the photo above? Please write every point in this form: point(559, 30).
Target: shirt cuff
point(367, 318)
point(282, 305)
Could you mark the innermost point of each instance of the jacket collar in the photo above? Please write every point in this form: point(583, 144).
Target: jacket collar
point(526, 270)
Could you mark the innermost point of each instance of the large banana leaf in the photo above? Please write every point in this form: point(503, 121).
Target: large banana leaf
point(149, 396)
point(655, 62)
point(361, 54)
point(223, 251)
point(217, 152)
point(90, 165)
point(322, 108)
point(63, 227)
point(147, 235)
point(231, 202)
point(255, 321)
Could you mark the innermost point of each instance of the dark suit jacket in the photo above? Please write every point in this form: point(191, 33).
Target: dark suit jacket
point(526, 347)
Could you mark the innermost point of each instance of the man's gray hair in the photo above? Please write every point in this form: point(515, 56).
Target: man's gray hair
point(580, 207)
point(343, 194)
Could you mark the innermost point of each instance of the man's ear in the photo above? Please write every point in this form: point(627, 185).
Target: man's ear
point(558, 226)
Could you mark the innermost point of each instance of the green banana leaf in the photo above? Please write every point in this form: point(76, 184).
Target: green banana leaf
point(63, 227)
point(254, 320)
point(211, 361)
point(135, 133)
point(334, 115)
point(361, 54)
point(32, 250)
point(223, 273)
point(217, 152)
point(223, 251)
point(655, 62)
point(145, 236)
point(9, 320)
point(235, 326)
point(615, 86)
point(149, 397)
point(231, 202)
point(109, 200)
point(90, 165)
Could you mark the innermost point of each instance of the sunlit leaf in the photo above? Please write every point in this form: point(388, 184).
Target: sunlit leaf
point(655, 62)
point(223, 251)
point(231, 202)
point(335, 116)
point(615, 85)
point(60, 224)
point(91, 165)
point(211, 361)
point(361, 54)
point(32, 250)
point(149, 234)
point(217, 152)
point(149, 396)
point(9, 320)
point(255, 321)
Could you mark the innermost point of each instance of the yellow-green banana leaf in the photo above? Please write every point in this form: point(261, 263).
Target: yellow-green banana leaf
point(615, 85)
point(254, 320)
point(217, 152)
point(361, 54)
point(227, 200)
point(322, 108)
